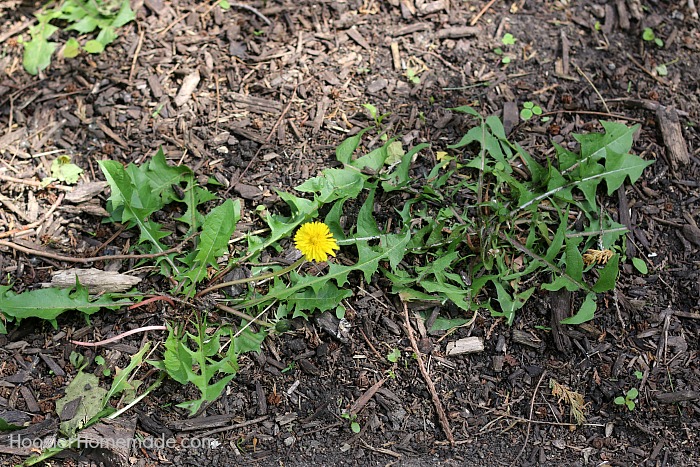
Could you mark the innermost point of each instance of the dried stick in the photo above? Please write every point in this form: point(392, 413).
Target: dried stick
point(70, 259)
point(585, 76)
point(481, 13)
point(34, 183)
point(529, 419)
point(444, 423)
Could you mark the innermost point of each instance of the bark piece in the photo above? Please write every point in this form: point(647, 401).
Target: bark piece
point(189, 84)
point(357, 37)
point(672, 135)
point(677, 396)
point(85, 191)
point(457, 32)
point(466, 345)
point(110, 437)
point(94, 279)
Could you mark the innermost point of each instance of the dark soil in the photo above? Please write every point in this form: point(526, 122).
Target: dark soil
point(270, 107)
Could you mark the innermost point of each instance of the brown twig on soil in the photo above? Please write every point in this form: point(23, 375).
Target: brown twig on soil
point(481, 13)
point(641, 67)
point(37, 223)
point(136, 54)
point(585, 76)
point(444, 423)
point(529, 421)
point(592, 112)
point(34, 183)
point(70, 259)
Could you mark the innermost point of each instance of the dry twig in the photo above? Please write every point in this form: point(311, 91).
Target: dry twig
point(444, 423)
point(529, 419)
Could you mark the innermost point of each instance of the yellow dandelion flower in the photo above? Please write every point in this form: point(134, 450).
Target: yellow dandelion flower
point(315, 241)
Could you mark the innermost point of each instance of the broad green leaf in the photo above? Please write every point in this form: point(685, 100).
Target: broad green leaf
point(37, 54)
point(94, 47)
point(71, 49)
point(366, 225)
point(248, 341)
point(620, 166)
point(374, 160)
point(63, 170)
point(465, 109)
point(640, 265)
point(49, 303)
point(124, 16)
point(399, 178)
point(608, 275)
point(585, 313)
point(335, 184)
point(85, 389)
point(345, 149)
point(218, 227)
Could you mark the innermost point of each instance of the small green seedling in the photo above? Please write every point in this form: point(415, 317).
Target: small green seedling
point(374, 113)
point(508, 39)
point(628, 399)
point(352, 418)
point(394, 355)
point(412, 76)
point(649, 36)
point(529, 110)
point(639, 375)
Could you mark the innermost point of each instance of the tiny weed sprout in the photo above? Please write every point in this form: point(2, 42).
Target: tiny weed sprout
point(638, 374)
point(628, 399)
point(352, 418)
point(648, 35)
point(508, 39)
point(412, 76)
point(529, 110)
point(394, 355)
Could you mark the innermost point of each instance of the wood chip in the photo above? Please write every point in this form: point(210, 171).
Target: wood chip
point(432, 7)
point(247, 191)
point(189, 84)
point(357, 37)
point(457, 32)
point(94, 279)
point(672, 135)
point(85, 191)
point(396, 56)
point(677, 396)
point(466, 345)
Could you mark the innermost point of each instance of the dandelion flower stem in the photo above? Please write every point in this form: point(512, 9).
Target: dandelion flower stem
point(246, 280)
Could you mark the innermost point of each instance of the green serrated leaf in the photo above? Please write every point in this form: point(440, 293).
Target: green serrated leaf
point(345, 149)
point(334, 184)
point(121, 383)
point(37, 54)
point(124, 16)
point(49, 303)
point(218, 227)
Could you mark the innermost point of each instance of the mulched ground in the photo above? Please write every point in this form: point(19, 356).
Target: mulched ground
point(270, 105)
